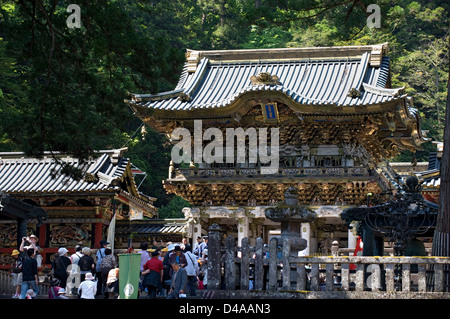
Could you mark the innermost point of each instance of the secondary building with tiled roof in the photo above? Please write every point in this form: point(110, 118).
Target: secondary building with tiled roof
point(78, 210)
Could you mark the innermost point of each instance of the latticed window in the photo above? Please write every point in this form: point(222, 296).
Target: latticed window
point(328, 161)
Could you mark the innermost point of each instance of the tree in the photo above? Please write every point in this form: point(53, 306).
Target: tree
point(75, 80)
point(441, 239)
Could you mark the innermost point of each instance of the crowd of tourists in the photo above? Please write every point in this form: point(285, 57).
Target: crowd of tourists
point(172, 271)
point(175, 271)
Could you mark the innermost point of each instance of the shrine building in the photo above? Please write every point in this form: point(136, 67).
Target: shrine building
point(76, 211)
point(338, 120)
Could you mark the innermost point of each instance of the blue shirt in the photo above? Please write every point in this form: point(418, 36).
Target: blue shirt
point(100, 254)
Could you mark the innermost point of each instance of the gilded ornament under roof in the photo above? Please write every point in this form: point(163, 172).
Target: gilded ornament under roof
point(264, 78)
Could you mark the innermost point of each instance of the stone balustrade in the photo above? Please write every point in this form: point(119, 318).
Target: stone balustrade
point(268, 270)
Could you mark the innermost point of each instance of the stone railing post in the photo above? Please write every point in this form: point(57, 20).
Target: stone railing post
point(286, 264)
point(214, 257)
point(230, 266)
point(273, 264)
point(245, 254)
point(259, 267)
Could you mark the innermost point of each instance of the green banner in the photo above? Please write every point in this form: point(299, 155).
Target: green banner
point(129, 265)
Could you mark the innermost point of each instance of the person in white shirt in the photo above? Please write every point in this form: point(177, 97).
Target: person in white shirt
point(74, 269)
point(196, 248)
point(144, 257)
point(74, 258)
point(88, 288)
point(192, 270)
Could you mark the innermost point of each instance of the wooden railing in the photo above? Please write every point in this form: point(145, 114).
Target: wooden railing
point(6, 287)
point(261, 268)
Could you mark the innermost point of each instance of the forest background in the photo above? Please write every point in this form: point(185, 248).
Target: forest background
point(63, 89)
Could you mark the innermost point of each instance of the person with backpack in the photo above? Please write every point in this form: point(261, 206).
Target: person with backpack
point(100, 254)
point(59, 266)
point(108, 262)
point(75, 257)
point(86, 263)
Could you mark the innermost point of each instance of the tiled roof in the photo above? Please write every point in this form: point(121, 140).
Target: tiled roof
point(430, 179)
point(152, 227)
point(24, 175)
point(317, 80)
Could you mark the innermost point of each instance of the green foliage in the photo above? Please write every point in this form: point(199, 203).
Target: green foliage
point(73, 81)
point(173, 208)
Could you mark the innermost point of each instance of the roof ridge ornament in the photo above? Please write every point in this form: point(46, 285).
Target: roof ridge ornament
point(91, 178)
point(384, 91)
point(264, 78)
point(353, 93)
point(378, 51)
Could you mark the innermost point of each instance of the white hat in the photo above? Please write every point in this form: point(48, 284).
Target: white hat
point(89, 276)
point(171, 247)
point(62, 251)
point(61, 291)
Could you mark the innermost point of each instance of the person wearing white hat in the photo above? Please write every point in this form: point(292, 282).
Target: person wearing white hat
point(32, 240)
point(62, 294)
point(88, 288)
point(59, 266)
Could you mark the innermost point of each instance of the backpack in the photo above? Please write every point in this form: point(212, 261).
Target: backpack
point(85, 263)
point(18, 265)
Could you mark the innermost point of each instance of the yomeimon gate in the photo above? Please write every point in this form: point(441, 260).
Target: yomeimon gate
point(338, 119)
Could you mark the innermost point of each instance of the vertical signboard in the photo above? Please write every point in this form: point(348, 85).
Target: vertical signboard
point(270, 112)
point(129, 265)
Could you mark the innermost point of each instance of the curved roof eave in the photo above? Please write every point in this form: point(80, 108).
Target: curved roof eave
point(297, 102)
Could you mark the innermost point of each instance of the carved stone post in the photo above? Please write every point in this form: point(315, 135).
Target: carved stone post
point(214, 257)
point(291, 215)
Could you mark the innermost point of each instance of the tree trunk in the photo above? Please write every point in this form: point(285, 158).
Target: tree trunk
point(441, 240)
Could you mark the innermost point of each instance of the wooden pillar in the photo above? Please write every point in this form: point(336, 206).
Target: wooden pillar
point(21, 230)
point(97, 234)
point(42, 236)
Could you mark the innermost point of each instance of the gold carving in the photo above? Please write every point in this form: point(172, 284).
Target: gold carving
point(354, 93)
point(264, 78)
point(90, 178)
